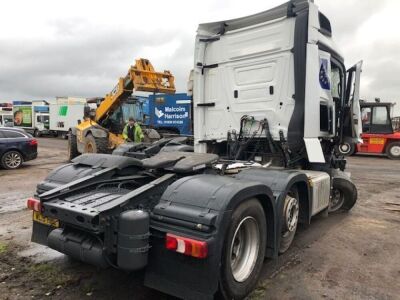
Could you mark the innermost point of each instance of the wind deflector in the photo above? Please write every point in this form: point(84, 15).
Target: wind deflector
point(288, 9)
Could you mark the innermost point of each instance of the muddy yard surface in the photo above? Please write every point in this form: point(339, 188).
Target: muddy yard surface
point(344, 256)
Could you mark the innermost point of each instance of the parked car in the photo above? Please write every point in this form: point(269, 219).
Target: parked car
point(16, 146)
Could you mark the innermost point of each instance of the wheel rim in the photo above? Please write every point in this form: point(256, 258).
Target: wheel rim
point(344, 148)
point(291, 213)
point(337, 200)
point(13, 160)
point(244, 249)
point(89, 148)
point(395, 151)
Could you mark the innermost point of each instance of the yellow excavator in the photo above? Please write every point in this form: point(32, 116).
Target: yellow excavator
point(101, 132)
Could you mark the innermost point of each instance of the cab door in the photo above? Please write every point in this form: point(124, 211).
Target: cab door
point(39, 122)
point(352, 126)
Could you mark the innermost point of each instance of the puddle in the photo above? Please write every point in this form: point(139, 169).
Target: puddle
point(14, 201)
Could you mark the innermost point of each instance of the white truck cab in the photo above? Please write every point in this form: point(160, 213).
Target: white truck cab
point(281, 66)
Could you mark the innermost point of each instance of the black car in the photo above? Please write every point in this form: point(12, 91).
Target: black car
point(16, 146)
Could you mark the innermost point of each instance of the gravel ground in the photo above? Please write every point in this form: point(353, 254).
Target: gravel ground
point(344, 256)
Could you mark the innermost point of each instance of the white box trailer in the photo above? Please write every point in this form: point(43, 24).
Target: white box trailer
point(65, 113)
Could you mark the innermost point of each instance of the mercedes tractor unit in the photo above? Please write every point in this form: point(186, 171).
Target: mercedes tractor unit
point(272, 100)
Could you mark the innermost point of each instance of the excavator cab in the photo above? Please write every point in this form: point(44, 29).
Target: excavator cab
point(376, 119)
point(131, 107)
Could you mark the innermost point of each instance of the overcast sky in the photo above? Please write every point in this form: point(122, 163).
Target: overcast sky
point(79, 48)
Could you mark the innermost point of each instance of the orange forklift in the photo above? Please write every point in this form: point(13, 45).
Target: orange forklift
point(381, 132)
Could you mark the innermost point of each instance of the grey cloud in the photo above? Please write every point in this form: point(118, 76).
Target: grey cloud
point(382, 67)
point(347, 16)
point(85, 59)
point(81, 60)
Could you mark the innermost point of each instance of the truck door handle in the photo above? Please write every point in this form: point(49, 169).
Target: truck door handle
point(207, 104)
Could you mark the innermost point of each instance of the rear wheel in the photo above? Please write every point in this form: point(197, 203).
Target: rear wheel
point(346, 149)
point(244, 250)
point(393, 150)
point(72, 146)
point(96, 145)
point(291, 210)
point(11, 160)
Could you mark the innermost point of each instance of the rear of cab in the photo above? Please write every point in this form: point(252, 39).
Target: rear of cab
point(282, 65)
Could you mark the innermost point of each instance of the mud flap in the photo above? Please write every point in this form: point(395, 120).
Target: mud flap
point(40, 233)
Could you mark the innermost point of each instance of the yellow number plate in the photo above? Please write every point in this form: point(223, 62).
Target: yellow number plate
point(38, 217)
point(376, 141)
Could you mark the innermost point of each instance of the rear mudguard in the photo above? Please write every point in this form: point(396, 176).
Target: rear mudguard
point(87, 165)
point(280, 181)
point(201, 207)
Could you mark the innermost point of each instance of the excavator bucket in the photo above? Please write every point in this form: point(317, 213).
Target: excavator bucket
point(146, 79)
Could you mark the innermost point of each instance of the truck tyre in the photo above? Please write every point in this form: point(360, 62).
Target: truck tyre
point(11, 160)
point(243, 250)
point(36, 133)
point(290, 219)
point(344, 194)
point(72, 147)
point(346, 149)
point(96, 145)
point(393, 150)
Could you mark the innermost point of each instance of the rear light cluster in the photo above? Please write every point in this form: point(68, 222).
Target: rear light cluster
point(34, 204)
point(33, 142)
point(190, 247)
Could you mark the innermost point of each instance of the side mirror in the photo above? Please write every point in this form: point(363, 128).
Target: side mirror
point(79, 122)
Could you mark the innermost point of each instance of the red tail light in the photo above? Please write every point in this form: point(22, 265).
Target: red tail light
point(186, 246)
point(34, 204)
point(33, 142)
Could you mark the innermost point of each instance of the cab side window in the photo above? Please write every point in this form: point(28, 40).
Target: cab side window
point(381, 122)
point(380, 116)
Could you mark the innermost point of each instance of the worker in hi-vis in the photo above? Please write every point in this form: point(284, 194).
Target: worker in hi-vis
point(132, 132)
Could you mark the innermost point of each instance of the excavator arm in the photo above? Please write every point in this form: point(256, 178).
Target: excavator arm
point(140, 77)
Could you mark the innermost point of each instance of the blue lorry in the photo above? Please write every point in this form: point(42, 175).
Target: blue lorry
point(169, 113)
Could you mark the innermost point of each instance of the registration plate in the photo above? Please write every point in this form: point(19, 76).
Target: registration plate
point(376, 141)
point(38, 217)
